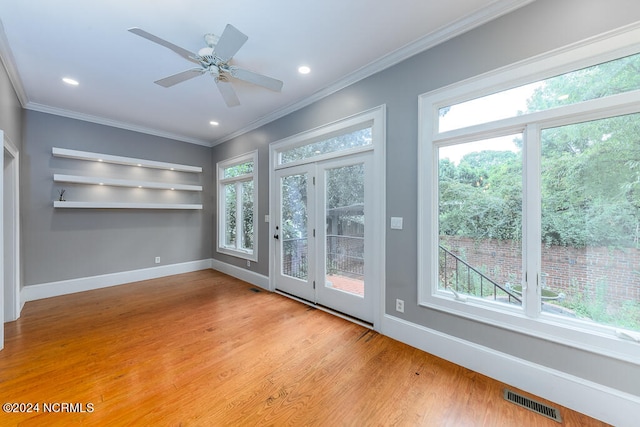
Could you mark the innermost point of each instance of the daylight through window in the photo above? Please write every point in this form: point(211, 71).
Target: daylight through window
point(534, 211)
point(236, 206)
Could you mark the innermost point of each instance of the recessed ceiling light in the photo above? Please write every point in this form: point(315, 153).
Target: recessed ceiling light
point(214, 123)
point(304, 69)
point(70, 81)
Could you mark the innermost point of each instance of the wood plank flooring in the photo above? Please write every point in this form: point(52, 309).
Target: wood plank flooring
point(204, 349)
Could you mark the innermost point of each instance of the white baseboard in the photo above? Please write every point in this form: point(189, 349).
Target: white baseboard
point(595, 400)
point(64, 287)
point(241, 273)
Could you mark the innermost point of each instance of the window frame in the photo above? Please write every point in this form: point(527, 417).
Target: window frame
point(222, 182)
point(528, 319)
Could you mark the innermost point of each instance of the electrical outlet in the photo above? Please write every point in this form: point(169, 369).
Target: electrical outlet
point(157, 260)
point(400, 305)
point(248, 263)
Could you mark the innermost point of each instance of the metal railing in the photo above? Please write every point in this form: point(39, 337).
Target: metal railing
point(462, 277)
point(345, 256)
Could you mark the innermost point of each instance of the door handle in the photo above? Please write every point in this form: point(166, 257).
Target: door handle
point(276, 236)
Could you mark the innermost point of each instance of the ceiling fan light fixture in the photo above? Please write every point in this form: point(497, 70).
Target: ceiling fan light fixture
point(205, 51)
point(211, 40)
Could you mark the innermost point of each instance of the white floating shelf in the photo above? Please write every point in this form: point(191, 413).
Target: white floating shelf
point(76, 179)
point(114, 205)
point(129, 161)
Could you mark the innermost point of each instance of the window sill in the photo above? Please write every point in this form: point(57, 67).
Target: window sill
point(597, 339)
point(249, 256)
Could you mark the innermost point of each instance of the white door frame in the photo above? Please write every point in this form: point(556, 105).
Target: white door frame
point(376, 116)
point(10, 230)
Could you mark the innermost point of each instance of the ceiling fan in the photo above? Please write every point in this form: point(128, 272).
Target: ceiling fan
point(214, 60)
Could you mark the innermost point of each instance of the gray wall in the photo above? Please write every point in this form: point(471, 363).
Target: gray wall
point(62, 244)
point(10, 109)
point(537, 28)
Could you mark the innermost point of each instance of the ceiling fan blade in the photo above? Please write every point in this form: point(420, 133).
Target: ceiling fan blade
point(180, 77)
point(230, 42)
point(255, 78)
point(228, 93)
point(189, 56)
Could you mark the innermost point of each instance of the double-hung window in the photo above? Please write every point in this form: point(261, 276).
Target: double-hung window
point(237, 204)
point(530, 197)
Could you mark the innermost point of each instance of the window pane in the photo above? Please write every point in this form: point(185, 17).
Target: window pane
point(480, 218)
point(358, 138)
point(247, 215)
point(609, 78)
point(237, 170)
point(230, 215)
point(591, 220)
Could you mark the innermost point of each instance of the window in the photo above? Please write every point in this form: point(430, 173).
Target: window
point(237, 206)
point(346, 140)
point(530, 214)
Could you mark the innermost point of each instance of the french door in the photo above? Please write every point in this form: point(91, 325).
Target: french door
point(323, 245)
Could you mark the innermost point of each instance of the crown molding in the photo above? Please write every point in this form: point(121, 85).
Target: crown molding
point(471, 21)
point(113, 123)
point(474, 20)
point(7, 59)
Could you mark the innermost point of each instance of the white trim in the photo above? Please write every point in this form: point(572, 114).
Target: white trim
point(248, 276)
point(610, 45)
point(64, 287)
point(113, 123)
point(474, 20)
point(9, 62)
point(595, 338)
point(595, 400)
point(251, 156)
point(15, 165)
point(377, 116)
point(374, 115)
point(467, 23)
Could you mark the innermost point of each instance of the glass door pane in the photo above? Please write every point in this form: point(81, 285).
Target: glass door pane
point(295, 242)
point(293, 232)
point(344, 218)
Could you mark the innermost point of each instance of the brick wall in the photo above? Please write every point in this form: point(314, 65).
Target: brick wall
point(610, 273)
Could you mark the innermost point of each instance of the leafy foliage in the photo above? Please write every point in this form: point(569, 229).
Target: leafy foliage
point(590, 172)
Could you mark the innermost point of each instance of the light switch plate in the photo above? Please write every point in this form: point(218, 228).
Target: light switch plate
point(396, 223)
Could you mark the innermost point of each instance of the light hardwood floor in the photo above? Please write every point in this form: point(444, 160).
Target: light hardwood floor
point(204, 349)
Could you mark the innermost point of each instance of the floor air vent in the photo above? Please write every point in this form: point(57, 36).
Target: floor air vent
point(254, 290)
point(525, 402)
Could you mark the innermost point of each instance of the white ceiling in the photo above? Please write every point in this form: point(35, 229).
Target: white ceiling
point(341, 40)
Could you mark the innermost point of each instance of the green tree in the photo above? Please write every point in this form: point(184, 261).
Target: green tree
point(589, 170)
